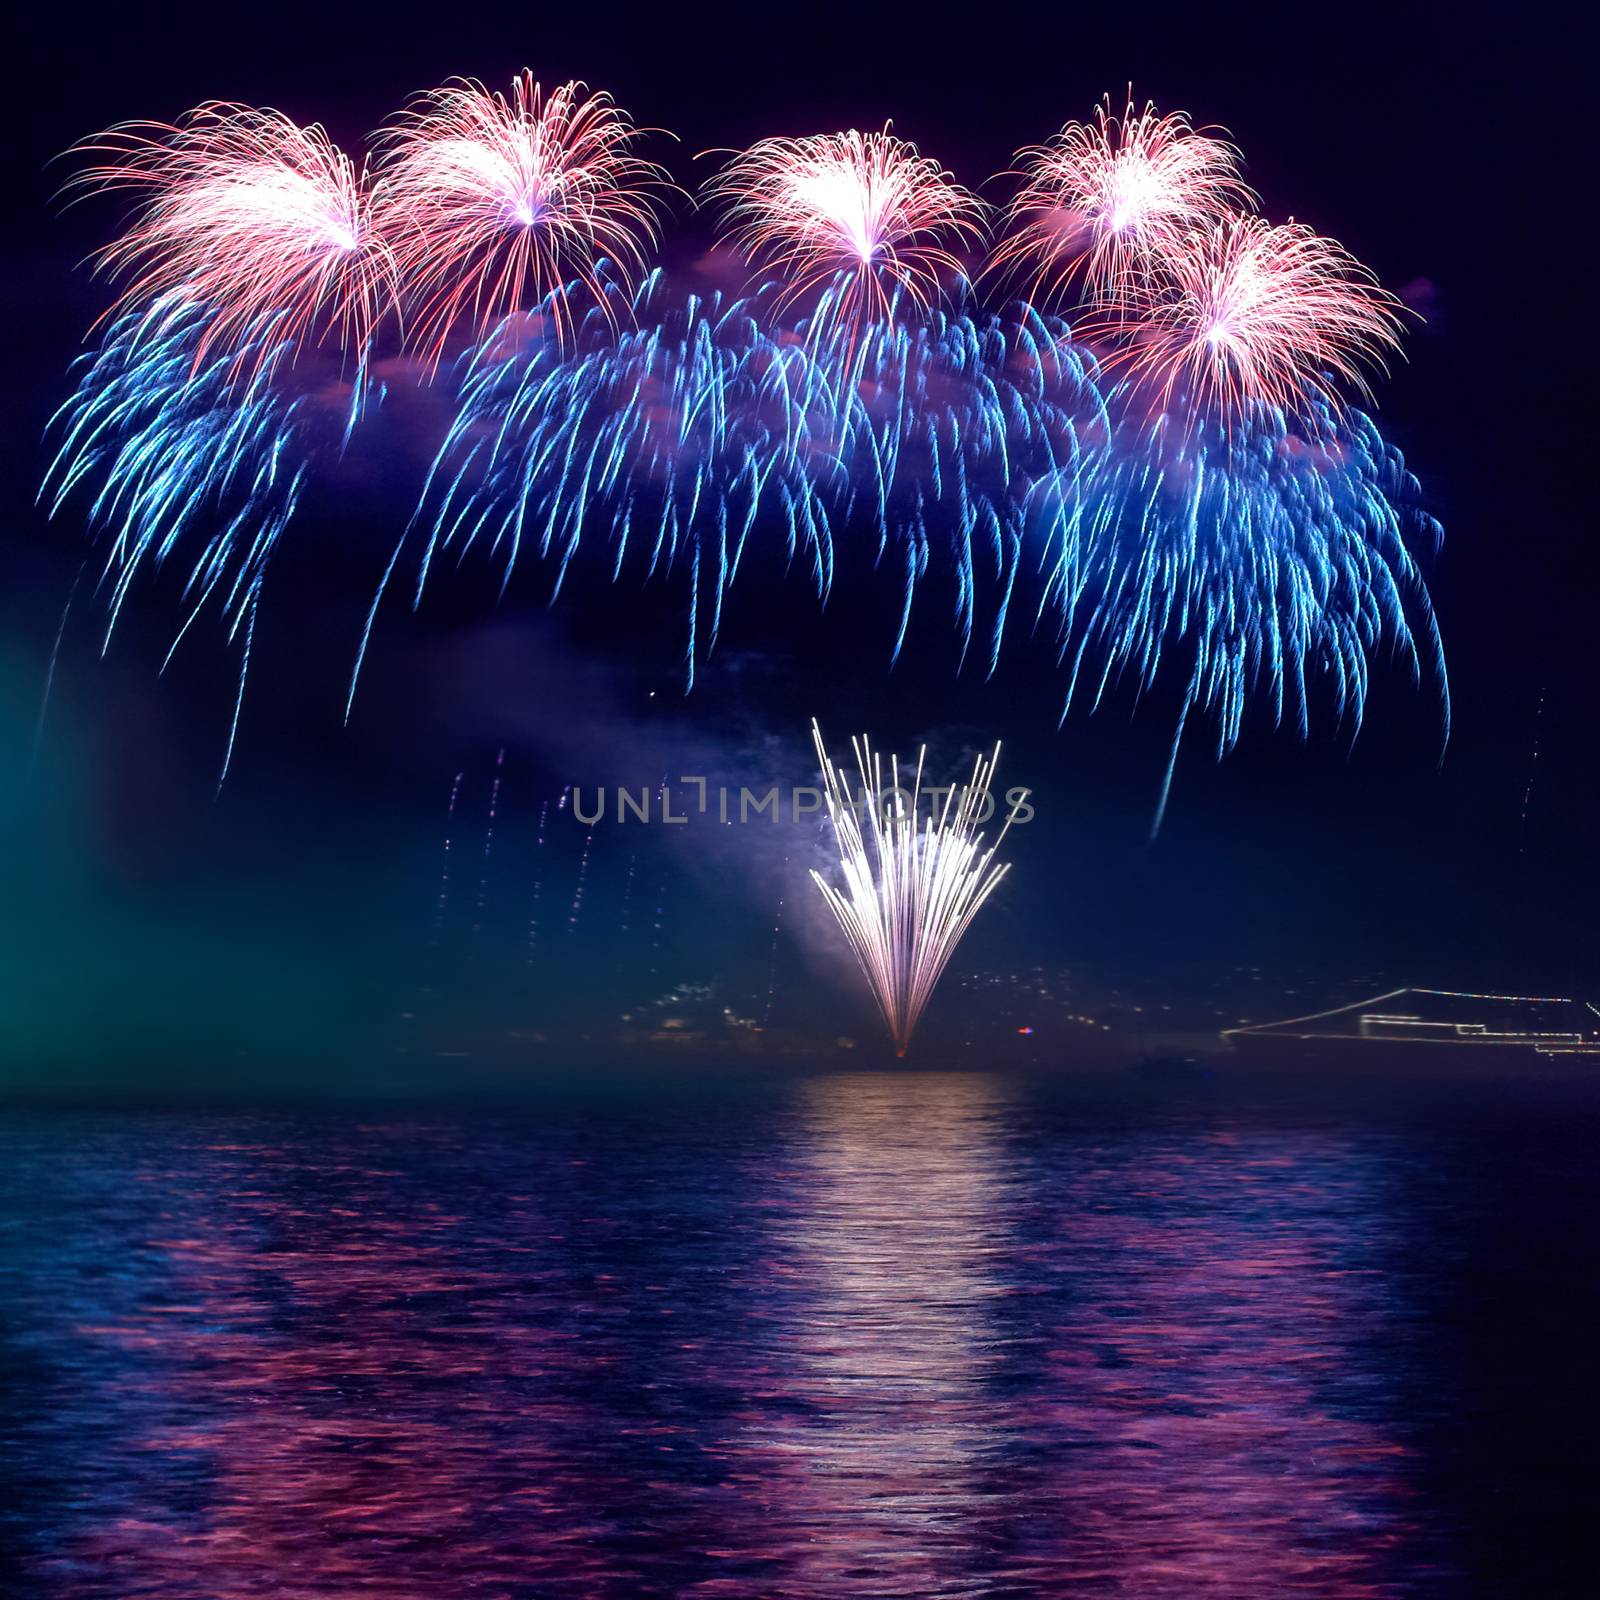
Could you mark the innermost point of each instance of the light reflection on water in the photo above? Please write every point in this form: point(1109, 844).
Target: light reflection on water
point(892, 1251)
point(898, 1335)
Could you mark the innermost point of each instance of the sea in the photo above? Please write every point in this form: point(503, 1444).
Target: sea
point(725, 1333)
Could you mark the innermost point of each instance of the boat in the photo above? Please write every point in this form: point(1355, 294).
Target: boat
point(1433, 1029)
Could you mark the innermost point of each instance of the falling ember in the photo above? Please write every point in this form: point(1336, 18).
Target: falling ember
point(911, 891)
point(583, 873)
point(488, 839)
point(538, 881)
point(444, 873)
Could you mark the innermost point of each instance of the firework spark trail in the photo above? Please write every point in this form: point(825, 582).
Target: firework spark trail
point(1248, 314)
point(1104, 203)
point(658, 916)
point(499, 203)
point(538, 881)
point(577, 891)
point(1193, 499)
point(266, 222)
point(864, 207)
point(1261, 558)
point(55, 657)
point(1265, 549)
point(911, 889)
point(946, 424)
point(625, 911)
point(488, 839)
point(680, 434)
point(168, 451)
point(674, 436)
point(1533, 773)
point(444, 870)
point(772, 957)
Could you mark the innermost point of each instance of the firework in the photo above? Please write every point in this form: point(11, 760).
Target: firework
point(1272, 551)
point(1252, 560)
point(497, 203)
point(267, 224)
point(1112, 199)
point(696, 429)
point(944, 425)
point(672, 435)
point(1179, 491)
point(172, 453)
point(911, 888)
point(860, 214)
point(1255, 315)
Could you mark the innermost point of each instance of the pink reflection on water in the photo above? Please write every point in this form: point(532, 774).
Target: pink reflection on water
point(867, 1468)
point(1214, 1443)
point(1174, 1433)
point(337, 1420)
point(903, 1336)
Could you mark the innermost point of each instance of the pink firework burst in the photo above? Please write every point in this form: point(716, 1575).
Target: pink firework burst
point(1255, 314)
point(1112, 198)
point(496, 202)
point(863, 209)
point(267, 223)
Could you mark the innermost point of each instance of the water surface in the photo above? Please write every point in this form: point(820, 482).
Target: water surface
point(878, 1335)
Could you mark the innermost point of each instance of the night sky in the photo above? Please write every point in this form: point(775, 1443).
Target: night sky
point(152, 922)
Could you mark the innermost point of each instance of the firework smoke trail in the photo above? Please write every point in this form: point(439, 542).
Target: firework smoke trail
point(911, 889)
point(864, 208)
point(168, 450)
point(266, 222)
point(499, 203)
point(1104, 203)
point(1253, 315)
point(1262, 558)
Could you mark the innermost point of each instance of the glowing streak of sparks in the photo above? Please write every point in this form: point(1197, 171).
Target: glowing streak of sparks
point(911, 889)
point(444, 871)
point(1191, 498)
point(864, 206)
point(488, 840)
point(577, 892)
point(538, 882)
point(1111, 199)
point(266, 223)
point(168, 454)
point(496, 202)
point(1263, 316)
